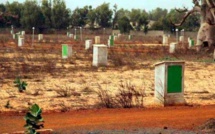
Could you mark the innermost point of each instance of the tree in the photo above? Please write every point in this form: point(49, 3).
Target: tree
point(60, 14)
point(206, 33)
point(31, 15)
point(79, 16)
point(124, 25)
point(91, 17)
point(157, 13)
point(104, 15)
point(47, 13)
point(14, 8)
point(116, 16)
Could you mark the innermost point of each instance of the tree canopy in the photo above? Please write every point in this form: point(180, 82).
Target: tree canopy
point(54, 14)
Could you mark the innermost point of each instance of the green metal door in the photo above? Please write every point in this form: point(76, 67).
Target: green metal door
point(64, 50)
point(174, 79)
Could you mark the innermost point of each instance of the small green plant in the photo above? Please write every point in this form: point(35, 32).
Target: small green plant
point(7, 105)
point(21, 85)
point(33, 119)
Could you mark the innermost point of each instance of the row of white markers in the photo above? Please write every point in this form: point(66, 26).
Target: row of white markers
point(173, 45)
point(20, 36)
point(100, 52)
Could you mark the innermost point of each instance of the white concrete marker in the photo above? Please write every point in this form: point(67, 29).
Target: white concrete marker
point(88, 44)
point(100, 54)
point(169, 83)
point(97, 39)
point(172, 47)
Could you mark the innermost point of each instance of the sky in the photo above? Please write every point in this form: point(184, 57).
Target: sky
point(148, 5)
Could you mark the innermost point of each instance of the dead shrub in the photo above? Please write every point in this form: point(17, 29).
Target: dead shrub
point(106, 99)
point(66, 91)
point(129, 96)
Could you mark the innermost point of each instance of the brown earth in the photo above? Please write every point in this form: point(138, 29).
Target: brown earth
point(48, 75)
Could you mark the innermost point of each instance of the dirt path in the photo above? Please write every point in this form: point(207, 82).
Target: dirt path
point(183, 118)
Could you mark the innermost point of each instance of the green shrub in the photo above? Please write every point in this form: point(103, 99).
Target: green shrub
point(33, 119)
point(21, 85)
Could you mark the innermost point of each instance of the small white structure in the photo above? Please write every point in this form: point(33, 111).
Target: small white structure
point(169, 82)
point(75, 37)
point(100, 54)
point(70, 35)
point(115, 37)
point(23, 33)
point(172, 47)
point(129, 37)
point(88, 44)
point(21, 41)
point(181, 38)
point(40, 37)
point(14, 36)
point(97, 39)
point(214, 55)
point(190, 42)
point(66, 51)
point(165, 40)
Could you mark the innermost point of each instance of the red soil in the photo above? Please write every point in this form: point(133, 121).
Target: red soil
point(183, 118)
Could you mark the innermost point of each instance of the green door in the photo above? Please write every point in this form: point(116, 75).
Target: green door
point(64, 50)
point(174, 79)
point(111, 42)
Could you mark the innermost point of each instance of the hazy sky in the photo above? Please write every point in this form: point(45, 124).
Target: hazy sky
point(148, 5)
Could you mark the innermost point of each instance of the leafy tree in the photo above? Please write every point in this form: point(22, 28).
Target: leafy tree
point(60, 14)
point(139, 18)
point(91, 17)
point(157, 13)
point(32, 15)
point(47, 12)
point(116, 16)
point(124, 25)
point(14, 8)
point(104, 15)
point(79, 16)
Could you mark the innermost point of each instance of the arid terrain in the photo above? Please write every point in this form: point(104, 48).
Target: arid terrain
point(64, 85)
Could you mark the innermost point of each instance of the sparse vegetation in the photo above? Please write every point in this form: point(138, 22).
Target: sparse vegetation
point(66, 91)
point(7, 105)
point(128, 96)
point(21, 85)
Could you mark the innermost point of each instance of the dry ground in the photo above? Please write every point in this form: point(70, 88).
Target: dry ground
point(61, 85)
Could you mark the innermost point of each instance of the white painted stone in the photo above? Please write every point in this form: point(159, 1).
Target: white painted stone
point(75, 37)
point(40, 37)
point(161, 94)
point(129, 37)
point(21, 41)
point(100, 54)
point(172, 47)
point(23, 33)
point(181, 38)
point(165, 40)
point(115, 37)
point(97, 39)
point(88, 44)
point(214, 55)
point(14, 36)
point(70, 35)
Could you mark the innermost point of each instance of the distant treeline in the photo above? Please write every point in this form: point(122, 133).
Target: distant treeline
point(53, 14)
